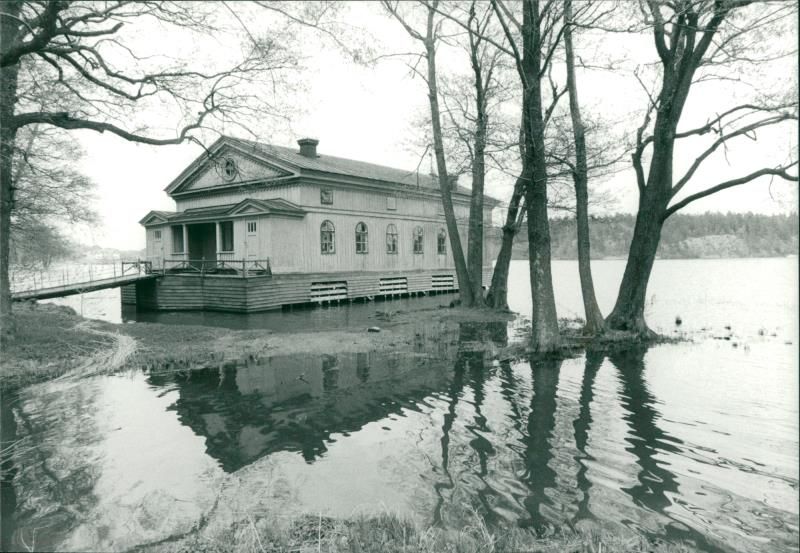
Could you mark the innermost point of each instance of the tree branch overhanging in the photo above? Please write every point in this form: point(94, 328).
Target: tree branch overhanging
point(781, 172)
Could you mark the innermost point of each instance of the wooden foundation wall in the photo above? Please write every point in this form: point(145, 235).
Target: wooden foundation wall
point(176, 292)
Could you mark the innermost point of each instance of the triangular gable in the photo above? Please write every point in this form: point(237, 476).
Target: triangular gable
point(209, 171)
point(275, 206)
point(154, 218)
point(248, 206)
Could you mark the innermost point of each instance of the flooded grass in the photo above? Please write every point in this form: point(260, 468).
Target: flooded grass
point(53, 340)
point(390, 533)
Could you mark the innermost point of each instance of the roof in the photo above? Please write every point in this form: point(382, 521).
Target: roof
point(292, 160)
point(347, 167)
point(244, 208)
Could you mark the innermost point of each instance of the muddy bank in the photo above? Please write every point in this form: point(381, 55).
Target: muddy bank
point(53, 341)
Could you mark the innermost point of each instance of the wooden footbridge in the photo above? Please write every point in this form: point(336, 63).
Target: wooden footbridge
point(55, 284)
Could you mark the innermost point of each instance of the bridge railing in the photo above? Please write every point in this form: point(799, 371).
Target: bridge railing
point(26, 280)
point(221, 267)
point(137, 267)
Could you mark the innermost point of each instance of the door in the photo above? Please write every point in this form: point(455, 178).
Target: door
point(254, 251)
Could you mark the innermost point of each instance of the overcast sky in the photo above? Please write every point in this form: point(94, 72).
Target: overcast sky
point(373, 113)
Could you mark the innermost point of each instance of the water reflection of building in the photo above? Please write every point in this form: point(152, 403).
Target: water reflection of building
point(295, 403)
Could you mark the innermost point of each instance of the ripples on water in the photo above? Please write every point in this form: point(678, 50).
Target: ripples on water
point(694, 442)
point(593, 441)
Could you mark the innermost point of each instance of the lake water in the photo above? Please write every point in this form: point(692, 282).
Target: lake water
point(693, 441)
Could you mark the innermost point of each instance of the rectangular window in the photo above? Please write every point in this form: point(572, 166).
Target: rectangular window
point(325, 196)
point(157, 235)
point(391, 203)
point(251, 227)
point(226, 235)
point(177, 239)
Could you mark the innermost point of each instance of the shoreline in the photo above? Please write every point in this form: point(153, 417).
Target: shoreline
point(54, 341)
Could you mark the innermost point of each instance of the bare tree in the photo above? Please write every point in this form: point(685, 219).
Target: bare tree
point(532, 40)
point(476, 109)
point(48, 193)
point(468, 289)
point(693, 40)
point(594, 318)
point(497, 296)
point(73, 65)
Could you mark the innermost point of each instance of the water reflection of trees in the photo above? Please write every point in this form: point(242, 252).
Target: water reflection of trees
point(582, 426)
point(538, 452)
point(295, 405)
point(646, 439)
point(54, 490)
point(472, 369)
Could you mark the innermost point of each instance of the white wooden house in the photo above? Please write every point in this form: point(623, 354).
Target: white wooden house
point(296, 226)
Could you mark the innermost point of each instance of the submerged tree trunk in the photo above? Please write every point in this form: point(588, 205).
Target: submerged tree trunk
point(8, 132)
point(544, 320)
point(594, 318)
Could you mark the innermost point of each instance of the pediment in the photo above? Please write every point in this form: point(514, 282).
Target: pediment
point(153, 218)
point(248, 209)
point(227, 167)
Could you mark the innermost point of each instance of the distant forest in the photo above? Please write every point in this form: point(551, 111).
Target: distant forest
point(684, 236)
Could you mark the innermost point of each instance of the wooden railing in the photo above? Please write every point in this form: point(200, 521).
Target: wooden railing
point(66, 275)
point(222, 267)
point(137, 267)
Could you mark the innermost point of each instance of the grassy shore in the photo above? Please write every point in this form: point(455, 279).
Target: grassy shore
point(49, 341)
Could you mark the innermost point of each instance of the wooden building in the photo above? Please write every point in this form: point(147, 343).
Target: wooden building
point(258, 226)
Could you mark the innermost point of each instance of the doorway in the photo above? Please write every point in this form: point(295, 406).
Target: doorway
point(202, 245)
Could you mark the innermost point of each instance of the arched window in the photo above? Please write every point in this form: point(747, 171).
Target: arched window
point(326, 237)
point(391, 239)
point(441, 242)
point(418, 239)
point(361, 238)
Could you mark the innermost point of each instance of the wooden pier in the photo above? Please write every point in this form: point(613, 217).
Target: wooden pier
point(56, 286)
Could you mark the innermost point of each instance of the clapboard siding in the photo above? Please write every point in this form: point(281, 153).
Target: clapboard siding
point(244, 295)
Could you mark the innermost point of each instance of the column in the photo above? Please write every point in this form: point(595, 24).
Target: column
point(185, 243)
point(218, 229)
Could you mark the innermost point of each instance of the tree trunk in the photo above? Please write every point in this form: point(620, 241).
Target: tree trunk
point(476, 227)
point(628, 312)
point(8, 132)
point(465, 286)
point(594, 318)
point(497, 297)
point(595, 324)
point(476, 230)
point(544, 320)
